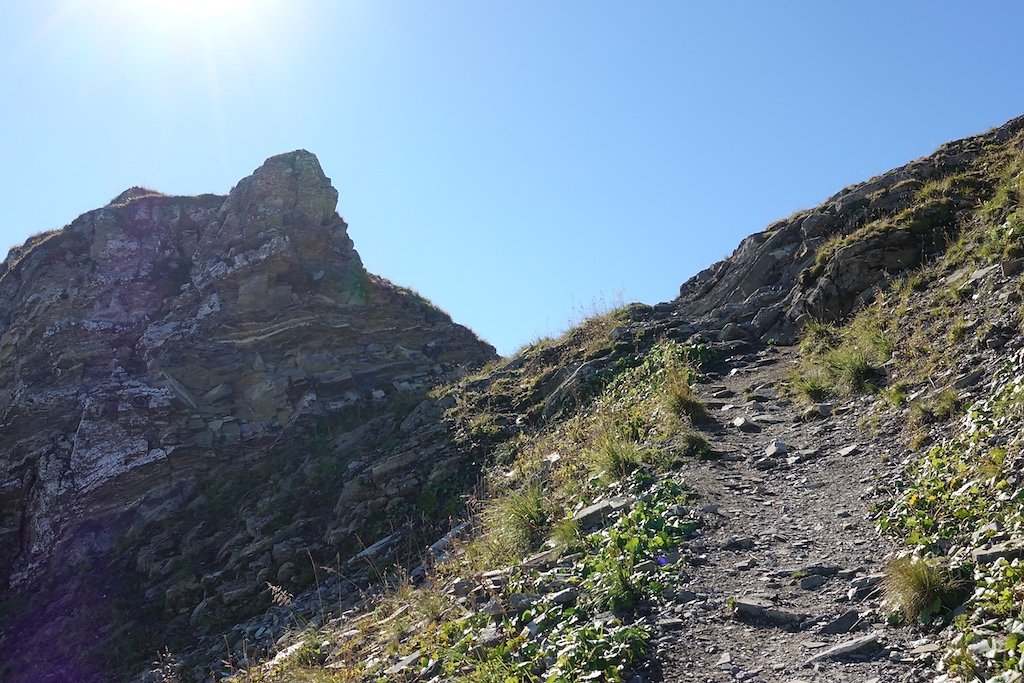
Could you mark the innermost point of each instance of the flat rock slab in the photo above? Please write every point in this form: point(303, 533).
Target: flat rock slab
point(1010, 550)
point(403, 664)
point(813, 581)
point(858, 646)
point(599, 512)
point(761, 609)
point(670, 624)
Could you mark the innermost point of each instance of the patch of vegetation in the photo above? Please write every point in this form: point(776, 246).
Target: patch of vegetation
point(896, 393)
point(849, 370)
point(840, 361)
point(610, 576)
point(819, 337)
point(694, 445)
point(567, 535)
point(516, 521)
point(963, 492)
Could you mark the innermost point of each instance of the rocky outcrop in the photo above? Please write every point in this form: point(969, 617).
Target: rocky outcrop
point(157, 338)
point(823, 263)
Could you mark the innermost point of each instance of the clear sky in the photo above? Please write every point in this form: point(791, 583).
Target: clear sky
point(520, 163)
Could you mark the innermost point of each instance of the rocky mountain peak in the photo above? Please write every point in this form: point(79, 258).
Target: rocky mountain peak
point(132, 193)
point(160, 338)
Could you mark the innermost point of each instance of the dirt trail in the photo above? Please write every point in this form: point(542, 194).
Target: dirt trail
point(787, 541)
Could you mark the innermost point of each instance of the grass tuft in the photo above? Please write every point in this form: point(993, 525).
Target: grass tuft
point(567, 535)
point(811, 387)
point(695, 446)
point(518, 520)
point(947, 405)
point(614, 458)
point(681, 399)
point(920, 588)
point(819, 337)
point(850, 370)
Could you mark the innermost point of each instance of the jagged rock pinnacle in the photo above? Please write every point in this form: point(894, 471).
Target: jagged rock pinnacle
point(288, 188)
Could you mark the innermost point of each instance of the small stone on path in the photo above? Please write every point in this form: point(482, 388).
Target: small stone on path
point(745, 425)
point(811, 582)
point(844, 623)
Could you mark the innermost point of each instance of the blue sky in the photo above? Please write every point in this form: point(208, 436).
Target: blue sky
point(519, 163)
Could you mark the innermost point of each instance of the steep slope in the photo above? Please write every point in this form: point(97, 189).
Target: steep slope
point(672, 495)
point(159, 345)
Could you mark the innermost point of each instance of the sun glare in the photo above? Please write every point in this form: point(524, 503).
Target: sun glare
point(192, 10)
point(220, 16)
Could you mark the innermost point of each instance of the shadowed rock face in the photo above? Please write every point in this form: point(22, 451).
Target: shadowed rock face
point(777, 279)
point(157, 336)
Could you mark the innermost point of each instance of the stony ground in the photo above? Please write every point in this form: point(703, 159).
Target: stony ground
point(787, 564)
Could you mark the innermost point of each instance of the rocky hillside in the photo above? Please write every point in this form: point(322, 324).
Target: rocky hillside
point(172, 370)
point(805, 468)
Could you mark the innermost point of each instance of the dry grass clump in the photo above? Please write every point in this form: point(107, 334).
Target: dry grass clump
point(614, 457)
point(680, 398)
point(920, 587)
point(517, 520)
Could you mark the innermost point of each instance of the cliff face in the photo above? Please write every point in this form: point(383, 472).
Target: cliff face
point(159, 337)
